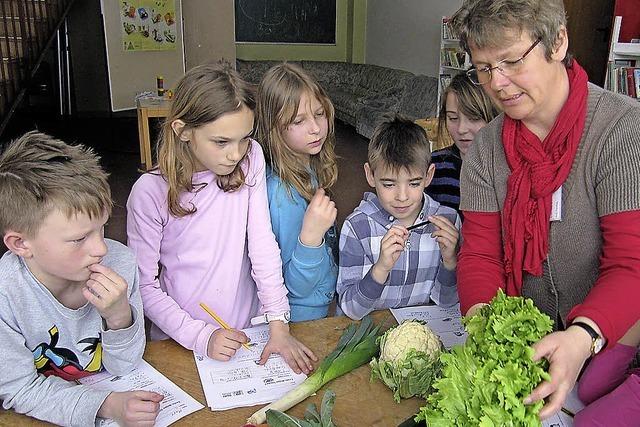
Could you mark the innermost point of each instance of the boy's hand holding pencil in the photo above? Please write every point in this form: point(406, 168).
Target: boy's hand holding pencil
point(224, 342)
point(391, 247)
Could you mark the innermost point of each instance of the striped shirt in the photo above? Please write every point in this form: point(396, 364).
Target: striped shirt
point(416, 278)
point(445, 186)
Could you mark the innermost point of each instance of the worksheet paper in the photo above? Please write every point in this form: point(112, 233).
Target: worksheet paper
point(444, 322)
point(175, 405)
point(562, 419)
point(447, 324)
point(241, 381)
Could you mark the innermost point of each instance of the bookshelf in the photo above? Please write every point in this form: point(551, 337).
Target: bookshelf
point(453, 59)
point(623, 68)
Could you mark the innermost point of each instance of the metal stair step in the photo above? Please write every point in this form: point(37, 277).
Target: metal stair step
point(12, 26)
point(15, 8)
point(16, 46)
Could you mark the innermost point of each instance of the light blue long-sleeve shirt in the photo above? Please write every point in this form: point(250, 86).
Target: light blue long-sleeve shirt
point(310, 273)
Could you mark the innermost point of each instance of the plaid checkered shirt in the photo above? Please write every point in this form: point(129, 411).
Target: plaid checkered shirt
point(416, 278)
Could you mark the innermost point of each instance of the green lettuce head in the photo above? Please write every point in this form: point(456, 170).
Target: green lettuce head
point(409, 360)
point(483, 383)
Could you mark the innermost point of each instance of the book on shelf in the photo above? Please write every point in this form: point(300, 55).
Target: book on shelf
point(623, 78)
point(445, 80)
point(631, 87)
point(451, 57)
point(447, 34)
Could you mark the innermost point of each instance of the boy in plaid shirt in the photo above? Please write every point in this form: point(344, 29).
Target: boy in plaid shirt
point(382, 264)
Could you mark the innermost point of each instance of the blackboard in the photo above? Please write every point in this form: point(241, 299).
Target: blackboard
point(286, 21)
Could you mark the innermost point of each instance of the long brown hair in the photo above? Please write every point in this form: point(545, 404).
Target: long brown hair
point(204, 93)
point(279, 96)
point(473, 102)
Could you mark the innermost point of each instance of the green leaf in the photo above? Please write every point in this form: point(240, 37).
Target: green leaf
point(326, 409)
point(280, 419)
point(311, 413)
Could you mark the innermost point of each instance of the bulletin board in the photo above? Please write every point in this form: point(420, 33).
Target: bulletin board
point(133, 69)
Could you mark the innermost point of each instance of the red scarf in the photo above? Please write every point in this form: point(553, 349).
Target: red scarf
point(537, 170)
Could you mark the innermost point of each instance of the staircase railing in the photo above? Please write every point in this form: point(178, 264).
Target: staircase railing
point(27, 30)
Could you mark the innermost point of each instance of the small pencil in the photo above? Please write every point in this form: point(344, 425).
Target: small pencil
point(568, 412)
point(418, 225)
point(221, 322)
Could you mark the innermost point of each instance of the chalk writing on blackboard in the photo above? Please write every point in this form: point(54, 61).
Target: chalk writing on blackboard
point(285, 21)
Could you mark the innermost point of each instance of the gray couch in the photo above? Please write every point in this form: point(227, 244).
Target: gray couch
point(363, 93)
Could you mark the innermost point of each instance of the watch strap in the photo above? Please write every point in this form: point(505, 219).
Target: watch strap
point(595, 337)
point(266, 318)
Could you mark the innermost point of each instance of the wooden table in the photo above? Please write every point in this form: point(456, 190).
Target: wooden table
point(147, 108)
point(359, 402)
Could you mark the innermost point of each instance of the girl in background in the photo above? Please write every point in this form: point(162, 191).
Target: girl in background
point(464, 110)
point(199, 224)
point(296, 127)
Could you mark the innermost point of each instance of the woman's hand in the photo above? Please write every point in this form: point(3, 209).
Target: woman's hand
point(297, 355)
point(566, 351)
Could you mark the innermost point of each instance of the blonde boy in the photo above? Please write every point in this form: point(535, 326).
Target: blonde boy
point(382, 263)
point(69, 299)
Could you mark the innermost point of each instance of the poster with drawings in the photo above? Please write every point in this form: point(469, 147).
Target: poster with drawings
point(148, 24)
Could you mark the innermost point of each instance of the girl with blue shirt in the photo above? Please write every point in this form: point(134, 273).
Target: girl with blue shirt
point(295, 125)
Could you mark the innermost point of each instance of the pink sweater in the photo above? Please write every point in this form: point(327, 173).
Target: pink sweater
point(224, 255)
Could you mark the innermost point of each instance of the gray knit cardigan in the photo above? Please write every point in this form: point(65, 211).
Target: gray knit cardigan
point(604, 179)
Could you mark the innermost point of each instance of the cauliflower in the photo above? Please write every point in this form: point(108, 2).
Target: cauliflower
point(410, 335)
point(409, 359)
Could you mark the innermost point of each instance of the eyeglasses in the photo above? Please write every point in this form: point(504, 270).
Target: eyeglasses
point(505, 67)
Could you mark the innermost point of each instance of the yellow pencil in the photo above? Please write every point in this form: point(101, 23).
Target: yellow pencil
point(220, 321)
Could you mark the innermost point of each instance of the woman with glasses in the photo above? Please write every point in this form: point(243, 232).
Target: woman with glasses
point(464, 110)
point(550, 191)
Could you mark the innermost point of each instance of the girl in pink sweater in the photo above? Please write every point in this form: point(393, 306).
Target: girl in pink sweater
point(199, 224)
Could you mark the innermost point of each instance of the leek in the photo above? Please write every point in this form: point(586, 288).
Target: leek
point(356, 346)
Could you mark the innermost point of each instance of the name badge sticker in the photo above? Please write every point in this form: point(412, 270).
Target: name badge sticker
point(556, 205)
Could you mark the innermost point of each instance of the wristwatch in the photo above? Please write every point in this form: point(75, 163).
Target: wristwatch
point(597, 342)
point(266, 318)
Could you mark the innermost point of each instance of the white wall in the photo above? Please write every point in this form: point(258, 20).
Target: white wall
point(405, 34)
point(209, 31)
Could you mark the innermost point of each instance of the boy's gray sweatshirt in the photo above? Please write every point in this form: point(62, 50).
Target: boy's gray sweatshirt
point(42, 342)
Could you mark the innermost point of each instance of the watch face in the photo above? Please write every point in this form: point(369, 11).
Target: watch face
point(598, 344)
